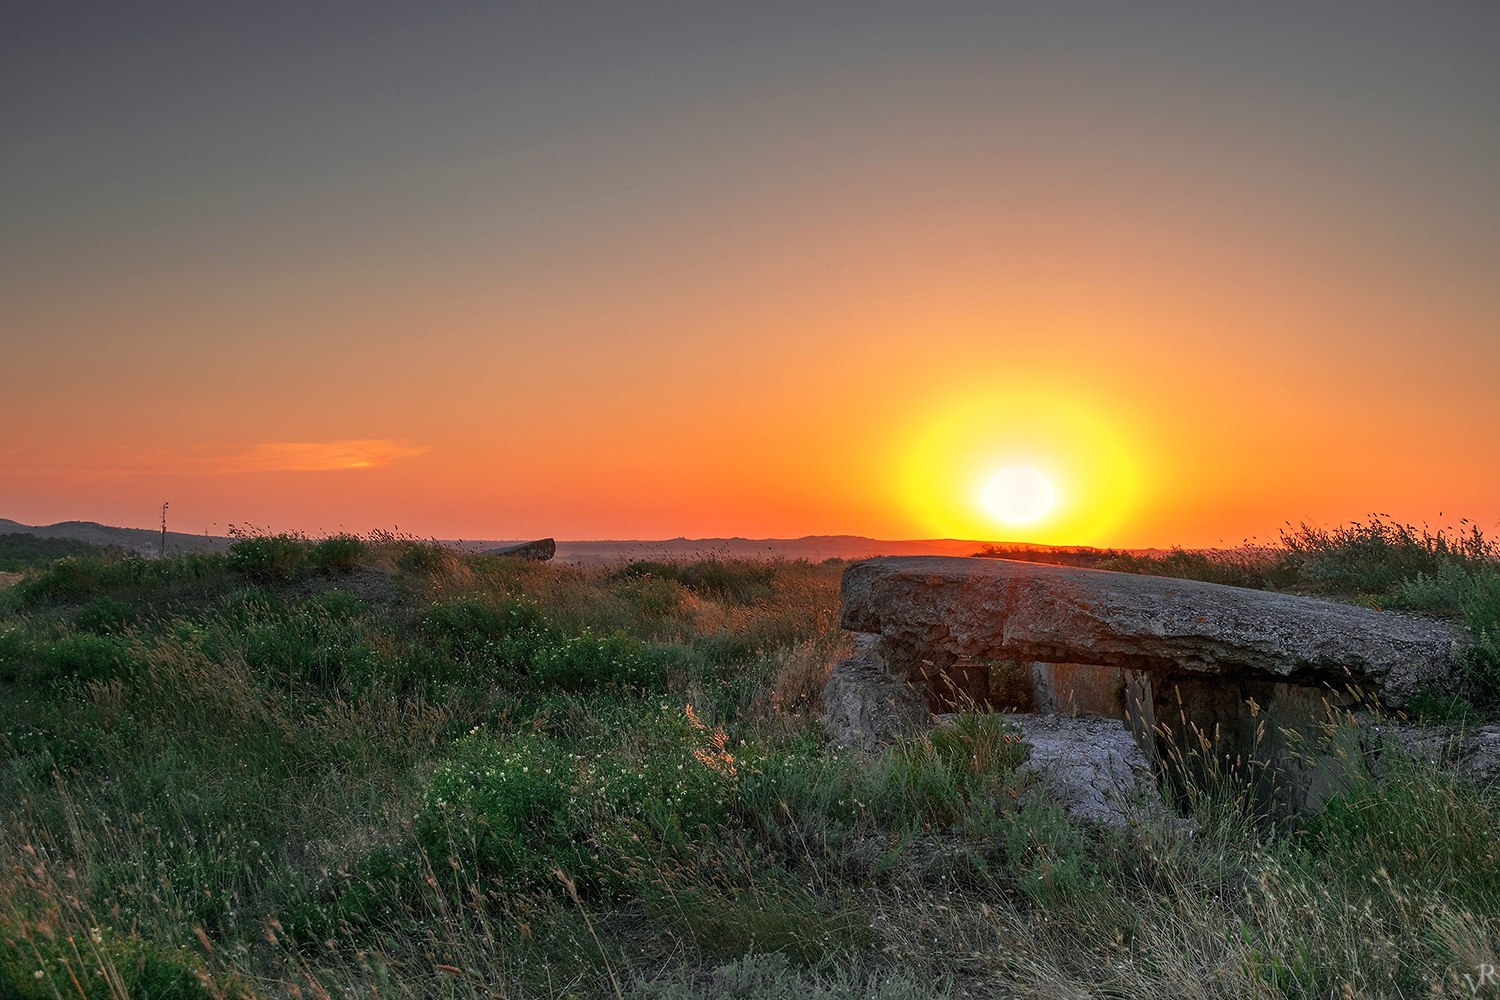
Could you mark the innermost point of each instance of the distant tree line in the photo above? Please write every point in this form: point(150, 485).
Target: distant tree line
point(20, 551)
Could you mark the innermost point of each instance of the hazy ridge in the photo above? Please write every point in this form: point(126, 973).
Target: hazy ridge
point(812, 547)
point(141, 540)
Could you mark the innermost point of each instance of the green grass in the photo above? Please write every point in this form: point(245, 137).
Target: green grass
point(385, 768)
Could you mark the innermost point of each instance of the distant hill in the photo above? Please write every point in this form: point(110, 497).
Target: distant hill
point(597, 552)
point(143, 541)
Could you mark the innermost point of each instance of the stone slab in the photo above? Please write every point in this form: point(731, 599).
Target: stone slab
point(931, 612)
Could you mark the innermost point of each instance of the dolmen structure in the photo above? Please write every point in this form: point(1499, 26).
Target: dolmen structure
point(1192, 674)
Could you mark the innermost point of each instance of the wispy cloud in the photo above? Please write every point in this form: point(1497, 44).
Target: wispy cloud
point(190, 460)
point(315, 456)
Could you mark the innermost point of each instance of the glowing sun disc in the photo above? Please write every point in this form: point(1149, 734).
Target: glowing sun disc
point(1019, 495)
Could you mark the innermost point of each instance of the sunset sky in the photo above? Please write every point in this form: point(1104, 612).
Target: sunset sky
point(624, 270)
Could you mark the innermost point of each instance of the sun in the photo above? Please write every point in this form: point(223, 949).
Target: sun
point(1019, 494)
point(1033, 462)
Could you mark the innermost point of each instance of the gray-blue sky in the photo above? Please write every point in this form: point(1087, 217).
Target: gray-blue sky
point(132, 115)
point(672, 191)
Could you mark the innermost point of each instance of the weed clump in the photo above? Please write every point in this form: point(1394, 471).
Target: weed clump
point(71, 579)
point(267, 558)
point(336, 553)
point(423, 558)
point(740, 582)
point(587, 661)
point(528, 804)
point(483, 633)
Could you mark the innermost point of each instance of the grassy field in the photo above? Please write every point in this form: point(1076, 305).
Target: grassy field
point(374, 767)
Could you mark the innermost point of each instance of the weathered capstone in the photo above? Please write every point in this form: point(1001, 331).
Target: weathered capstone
point(538, 551)
point(932, 612)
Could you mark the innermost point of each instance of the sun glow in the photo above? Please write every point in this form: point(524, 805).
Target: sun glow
point(1019, 495)
point(1032, 465)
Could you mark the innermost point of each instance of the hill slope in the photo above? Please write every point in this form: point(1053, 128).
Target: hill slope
point(139, 540)
point(588, 552)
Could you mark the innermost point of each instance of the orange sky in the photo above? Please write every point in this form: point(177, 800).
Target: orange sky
point(760, 279)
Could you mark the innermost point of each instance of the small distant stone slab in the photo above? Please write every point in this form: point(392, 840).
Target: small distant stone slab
point(538, 551)
point(927, 609)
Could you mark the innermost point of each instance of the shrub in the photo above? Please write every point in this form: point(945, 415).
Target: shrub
point(1046, 854)
point(82, 658)
point(513, 798)
point(526, 804)
point(654, 601)
point(336, 554)
point(1438, 706)
point(112, 576)
point(321, 643)
point(1373, 557)
point(135, 571)
point(795, 792)
point(268, 557)
point(726, 648)
point(1437, 593)
point(799, 792)
point(369, 893)
point(1416, 822)
point(1480, 604)
point(70, 579)
point(478, 632)
point(106, 615)
point(740, 581)
point(678, 781)
point(16, 649)
point(930, 782)
point(1473, 592)
point(586, 661)
point(101, 967)
point(423, 557)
